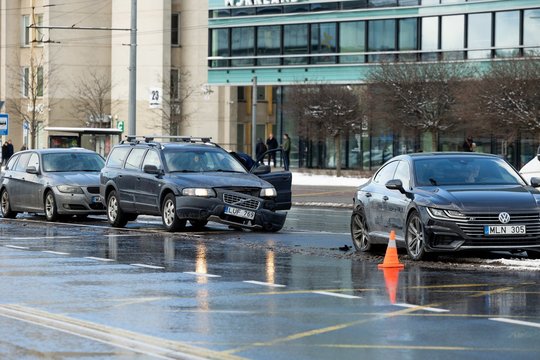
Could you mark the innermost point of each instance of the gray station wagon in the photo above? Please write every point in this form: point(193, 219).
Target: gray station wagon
point(52, 181)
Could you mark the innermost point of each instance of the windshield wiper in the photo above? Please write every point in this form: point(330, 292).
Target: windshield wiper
point(184, 171)
point(227, 171)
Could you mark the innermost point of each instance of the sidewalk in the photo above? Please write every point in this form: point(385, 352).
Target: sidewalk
point(324, 190)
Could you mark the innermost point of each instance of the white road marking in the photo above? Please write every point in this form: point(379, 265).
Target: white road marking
point(421, 307)
point(516, 322)
point(44, 237)
point(148, 266)
point(264, 283)
point(55, 252)
point(17, 247)
point(201, 274)
point(98, 259)
point(344, 296)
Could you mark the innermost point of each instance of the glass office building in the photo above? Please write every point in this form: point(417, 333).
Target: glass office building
point(283, 43)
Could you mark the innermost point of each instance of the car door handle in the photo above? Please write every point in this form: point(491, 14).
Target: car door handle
point(368, 195)
point(385, 198)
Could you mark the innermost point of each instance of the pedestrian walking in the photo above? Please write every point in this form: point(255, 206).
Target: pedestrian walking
point(286, 150)
point(4, 153)
point(271, 144)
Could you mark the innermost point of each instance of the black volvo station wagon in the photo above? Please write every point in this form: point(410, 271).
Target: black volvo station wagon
point(191, 179)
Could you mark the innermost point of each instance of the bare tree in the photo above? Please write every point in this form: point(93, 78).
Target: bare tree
point(508, 96)
point(177, 91)
point(326, 110)
point(92, 99)
point(33, 82)
point(418, 96)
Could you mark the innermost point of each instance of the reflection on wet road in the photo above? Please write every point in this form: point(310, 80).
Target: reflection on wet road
point(146, 293)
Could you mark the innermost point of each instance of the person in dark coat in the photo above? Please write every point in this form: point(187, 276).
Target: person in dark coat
point(468, 144)
point(9, 150)
point(272, 144)
point(4, 153)
point(260, 148)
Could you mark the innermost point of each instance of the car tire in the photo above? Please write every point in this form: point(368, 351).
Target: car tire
point(168, 214)
point(359, 232)
point(415, 237)
point(50, 207)
point(198, 224)
point(115, 215)
point(5, 206)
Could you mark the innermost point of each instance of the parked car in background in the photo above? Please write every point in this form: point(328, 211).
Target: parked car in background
point(443, 202)
point(52, 181)
point(532, 168)
point(191, 180)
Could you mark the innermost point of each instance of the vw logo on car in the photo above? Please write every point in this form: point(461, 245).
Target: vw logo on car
point(504, 218)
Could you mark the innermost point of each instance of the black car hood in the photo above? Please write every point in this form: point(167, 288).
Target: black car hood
point(218, 179)
point(485, 197)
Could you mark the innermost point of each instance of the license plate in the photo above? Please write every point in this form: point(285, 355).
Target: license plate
point(95, 199)
point(504, 229)
point(246, 214)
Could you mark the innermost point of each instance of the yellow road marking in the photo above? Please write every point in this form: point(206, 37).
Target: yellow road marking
point(324, 330)
point(491, 292)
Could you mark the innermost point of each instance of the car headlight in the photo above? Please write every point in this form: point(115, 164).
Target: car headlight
point(201, 192)
point(70, 189)
point(268, 192)
point(446, 214)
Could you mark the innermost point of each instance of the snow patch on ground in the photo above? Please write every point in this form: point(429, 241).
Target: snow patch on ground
point(327, 180)
point(517, 264)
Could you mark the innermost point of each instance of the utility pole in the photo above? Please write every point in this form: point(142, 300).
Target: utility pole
point(132, 105)
point(254, 118)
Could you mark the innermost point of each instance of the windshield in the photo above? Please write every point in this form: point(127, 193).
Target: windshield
point(439, 171)
point(72, 161)
point(201, 160)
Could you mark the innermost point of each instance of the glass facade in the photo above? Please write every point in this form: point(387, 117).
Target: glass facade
point(334, 35)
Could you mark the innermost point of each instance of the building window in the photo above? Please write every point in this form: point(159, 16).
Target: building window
point(531, 29)
point(295, 41)
point(220, 46)
point(295, 8)
point(175, 29)
point(40, 33)
point(323, 41)
point(507, 33)
point(175, 85)
point(358, 4)
point(39, 82)
point(242, 45)
point(352, 38)
point(408, 38)
point(25, 85)
point(430, 38)
point(324, 7)
point(268, 44)
point(25, 31)
point(382, 3)
point(453, 36)
point(381, 37)
point(479, 36)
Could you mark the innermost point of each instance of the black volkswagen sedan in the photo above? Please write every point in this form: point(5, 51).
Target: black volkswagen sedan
point(442, 202)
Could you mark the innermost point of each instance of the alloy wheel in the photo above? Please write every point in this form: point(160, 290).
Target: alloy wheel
point(416, 241)
point(359, 232)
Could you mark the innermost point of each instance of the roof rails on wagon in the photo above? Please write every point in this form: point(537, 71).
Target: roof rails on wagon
point(137, 139)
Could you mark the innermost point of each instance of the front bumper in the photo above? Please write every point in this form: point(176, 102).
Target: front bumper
point(449, 235)
point(78, 204)
point(213, 209)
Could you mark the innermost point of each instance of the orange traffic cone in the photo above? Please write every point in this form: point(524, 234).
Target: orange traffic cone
point(391, 258)
point(391, 278)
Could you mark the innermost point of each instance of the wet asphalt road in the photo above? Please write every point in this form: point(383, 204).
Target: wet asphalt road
point(90, 291)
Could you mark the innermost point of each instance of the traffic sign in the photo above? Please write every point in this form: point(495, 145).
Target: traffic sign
point(4, 118)
point(120, 125)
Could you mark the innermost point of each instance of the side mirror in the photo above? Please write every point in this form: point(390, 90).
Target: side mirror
point(261, 170)
point(151, 169)
point(32, 170)
point(535, 182)
point(395, 184)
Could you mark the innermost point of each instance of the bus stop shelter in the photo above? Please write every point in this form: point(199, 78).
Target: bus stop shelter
point(100, 140)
